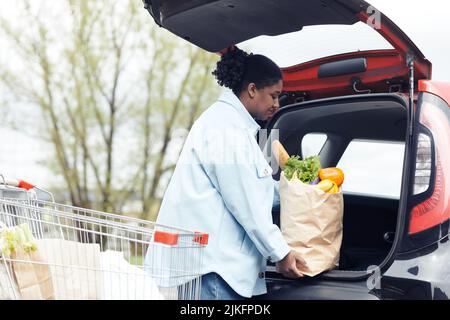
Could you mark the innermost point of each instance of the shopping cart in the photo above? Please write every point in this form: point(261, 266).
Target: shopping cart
point(76, 253)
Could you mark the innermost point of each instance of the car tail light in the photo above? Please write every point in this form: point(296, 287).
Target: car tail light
point(423, 164)
point(428, 213)
point(432, 167)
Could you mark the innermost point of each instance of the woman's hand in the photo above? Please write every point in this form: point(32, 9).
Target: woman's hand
point(288, 267)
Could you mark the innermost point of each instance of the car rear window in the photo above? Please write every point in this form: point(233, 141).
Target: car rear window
point(373, 167)
point(314, 42)
point(312, 143)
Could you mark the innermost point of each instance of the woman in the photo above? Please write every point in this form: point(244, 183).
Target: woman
point(222, 184)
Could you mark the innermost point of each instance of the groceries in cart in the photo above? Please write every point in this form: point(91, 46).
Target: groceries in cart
point(54, 251)
point(311, 209)
point(31, 274)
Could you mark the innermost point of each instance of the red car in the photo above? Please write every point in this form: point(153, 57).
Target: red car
point(394, 247)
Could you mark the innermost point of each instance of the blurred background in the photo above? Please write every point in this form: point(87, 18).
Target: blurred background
point(96, 100)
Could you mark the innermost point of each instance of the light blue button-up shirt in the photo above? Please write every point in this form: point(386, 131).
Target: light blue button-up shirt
point(222, 185)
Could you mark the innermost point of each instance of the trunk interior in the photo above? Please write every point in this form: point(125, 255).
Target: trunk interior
point(368, 228)
point(369, 221)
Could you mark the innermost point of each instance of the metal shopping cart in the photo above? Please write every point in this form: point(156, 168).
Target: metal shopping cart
point(54, 251)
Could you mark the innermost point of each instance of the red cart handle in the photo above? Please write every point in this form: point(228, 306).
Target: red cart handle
point(22, 184)
point(171, 238)
point(25, 185)
point(18, 184)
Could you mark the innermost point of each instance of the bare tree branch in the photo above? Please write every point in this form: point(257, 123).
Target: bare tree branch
point(167, 130)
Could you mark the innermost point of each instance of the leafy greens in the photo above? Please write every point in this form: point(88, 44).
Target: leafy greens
point(306, 170)
point(17, 238)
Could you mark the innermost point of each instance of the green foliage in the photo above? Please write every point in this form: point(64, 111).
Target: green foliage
point(306, 170)
point(103, 81)
point(18, 238)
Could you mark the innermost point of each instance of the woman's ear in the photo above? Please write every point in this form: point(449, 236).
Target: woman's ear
point(251, 89)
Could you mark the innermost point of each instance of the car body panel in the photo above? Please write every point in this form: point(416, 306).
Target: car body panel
point(313, 289)
point(386, 72)
point(429, 212)
point(422, 274)
point(217, 24)
point(417, 266)
point(436, 209)
point(438, 88)
point(400, 41)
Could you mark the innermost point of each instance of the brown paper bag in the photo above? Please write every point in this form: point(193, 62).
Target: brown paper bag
point(74, 267)
point(32, 276)
point(311, 223)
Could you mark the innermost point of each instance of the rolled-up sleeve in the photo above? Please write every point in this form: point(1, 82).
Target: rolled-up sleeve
point(247, 189)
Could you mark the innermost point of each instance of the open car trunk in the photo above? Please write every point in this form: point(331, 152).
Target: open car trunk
point(330, 89)
point(370, 221)
point(368, 232)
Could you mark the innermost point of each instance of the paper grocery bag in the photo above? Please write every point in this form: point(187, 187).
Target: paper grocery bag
point(32, 276)
point(75, 268)
point(311, 223)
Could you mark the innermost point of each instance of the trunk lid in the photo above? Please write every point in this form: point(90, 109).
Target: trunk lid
point(217, 24)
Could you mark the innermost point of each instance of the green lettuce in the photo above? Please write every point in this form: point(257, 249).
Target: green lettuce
point(18, 238)
point(306, 170)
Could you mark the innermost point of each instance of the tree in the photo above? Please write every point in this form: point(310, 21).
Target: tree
point(107, 89)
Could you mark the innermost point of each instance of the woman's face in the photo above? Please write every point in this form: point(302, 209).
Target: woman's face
point(263, 103)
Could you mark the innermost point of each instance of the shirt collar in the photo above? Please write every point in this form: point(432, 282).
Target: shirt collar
point(230, 98)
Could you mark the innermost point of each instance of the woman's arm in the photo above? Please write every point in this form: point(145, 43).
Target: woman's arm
point(247, 189)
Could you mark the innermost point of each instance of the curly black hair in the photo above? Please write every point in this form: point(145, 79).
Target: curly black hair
point(237, 69)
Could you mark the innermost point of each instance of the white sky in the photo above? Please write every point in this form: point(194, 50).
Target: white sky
point(425, 23)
